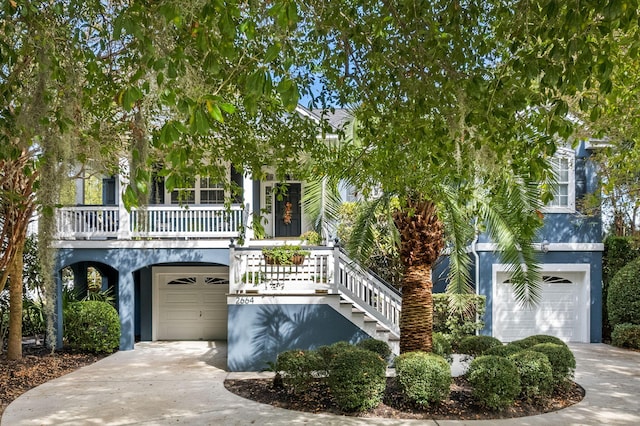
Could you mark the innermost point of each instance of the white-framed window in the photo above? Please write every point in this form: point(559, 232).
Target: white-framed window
point(564, 196)
point(202, 190)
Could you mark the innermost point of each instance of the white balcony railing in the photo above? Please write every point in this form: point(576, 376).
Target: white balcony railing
point(100, 222)
point(326, 269)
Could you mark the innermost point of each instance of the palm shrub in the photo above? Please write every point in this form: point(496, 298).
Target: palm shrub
point(495, 381)
point(623, 299)
point(376, 346)
point(442, 346)
point(477, 345)
point(92, 326)
point(563, 363)
point(357, 379)
point(297, 369)
point(424, 378)
point(626, 336)
point(536, 375)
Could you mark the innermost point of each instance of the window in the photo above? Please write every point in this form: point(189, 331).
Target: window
point(201, 191)
point(564, 191)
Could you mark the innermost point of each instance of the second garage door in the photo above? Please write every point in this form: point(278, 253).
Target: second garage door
point(190, 303)
point(561, 311)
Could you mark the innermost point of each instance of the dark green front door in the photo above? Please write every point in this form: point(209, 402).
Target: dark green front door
point(288, 215)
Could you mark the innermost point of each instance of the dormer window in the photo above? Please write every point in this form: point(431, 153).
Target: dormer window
point(564, 197)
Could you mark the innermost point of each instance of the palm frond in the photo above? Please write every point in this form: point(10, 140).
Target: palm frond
point(321, 203)
point(363, 236)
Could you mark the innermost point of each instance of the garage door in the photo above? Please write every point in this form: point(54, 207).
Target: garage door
point(191, 303)
point(561, 311)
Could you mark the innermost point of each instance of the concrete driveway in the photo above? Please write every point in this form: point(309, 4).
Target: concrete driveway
point(182, 383)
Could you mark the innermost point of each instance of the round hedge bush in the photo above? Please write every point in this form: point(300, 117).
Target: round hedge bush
point(329, 352)
point(92, 326)
point(503, 350)
point(357, 379)
point(477, 345)
point(495, 381)
point(376, 346)
point(530, 341)
point(536, 375)
point(297, 367)
point(623, 298)
point(424, 378)
point(562, 361)
point(626, 336)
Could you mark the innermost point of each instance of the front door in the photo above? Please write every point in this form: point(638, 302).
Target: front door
point(288, 214)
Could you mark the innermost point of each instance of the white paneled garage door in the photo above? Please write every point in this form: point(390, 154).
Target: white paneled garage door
point(190, 303)
point(563, 309)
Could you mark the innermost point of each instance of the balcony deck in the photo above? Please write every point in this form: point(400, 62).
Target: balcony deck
point(153, 222)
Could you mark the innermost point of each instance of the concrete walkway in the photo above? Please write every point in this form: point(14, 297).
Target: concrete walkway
point(182, 383)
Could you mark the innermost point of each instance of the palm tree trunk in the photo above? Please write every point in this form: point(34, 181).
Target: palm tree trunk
point(416, 320)
point(14, 344)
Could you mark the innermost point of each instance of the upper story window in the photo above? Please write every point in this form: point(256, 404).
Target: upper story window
point(202, 190)
point(564, 197)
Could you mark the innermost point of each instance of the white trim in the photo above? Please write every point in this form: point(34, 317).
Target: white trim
point(493, 247)
point(142, 244)
point(570, 156)
point(584, 293)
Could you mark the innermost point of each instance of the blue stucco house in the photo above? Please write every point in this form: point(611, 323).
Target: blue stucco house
point(178, 273)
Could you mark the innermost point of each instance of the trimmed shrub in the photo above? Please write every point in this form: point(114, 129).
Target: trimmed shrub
point(458, 324)
point(477, 345)
point(328, 353)
point(536, 375)
point(495, 381)
point(563, 363)
point(503, 350)
point(441, 345)
point(376, 346)
point(623, 300)
point(424, 378)
point(530, 341)
point(626, 336)
point(357, 379)
point(297, 369)
point(92, 326)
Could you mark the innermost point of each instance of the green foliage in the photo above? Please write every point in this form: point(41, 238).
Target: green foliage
point(376, 346)
point(536, 375)
point(455, 322)
point(530, 341)
point(329, 352)
point(563, 363)
point(284, 254)
point(495, 381)
point(626, 336)
point(423, 377)
point(618, 251)
point(33, 318)
point(477, 345)
point(92, 326)
point(312, 238)
point(623, 300)
point(297, 369)
point(357, 379)
point(504, 350)
point(441, 345)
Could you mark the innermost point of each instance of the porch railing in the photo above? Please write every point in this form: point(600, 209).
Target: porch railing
point(326, 269)
point(100, 222)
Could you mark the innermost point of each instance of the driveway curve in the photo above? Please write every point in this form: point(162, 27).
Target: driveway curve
point(164, 383)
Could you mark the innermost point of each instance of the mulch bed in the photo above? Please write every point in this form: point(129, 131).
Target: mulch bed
point(460, 405)
point(37, 366)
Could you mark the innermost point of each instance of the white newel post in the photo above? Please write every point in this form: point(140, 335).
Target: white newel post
point(124, 227)
point(247, 202)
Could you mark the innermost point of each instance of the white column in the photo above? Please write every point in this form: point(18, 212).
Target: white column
point(123, 214)
point(247, 201)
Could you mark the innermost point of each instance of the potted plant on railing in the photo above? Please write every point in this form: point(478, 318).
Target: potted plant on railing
point(284, 255)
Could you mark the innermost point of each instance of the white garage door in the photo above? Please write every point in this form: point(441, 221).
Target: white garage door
point(562, 310)
point(190, 303)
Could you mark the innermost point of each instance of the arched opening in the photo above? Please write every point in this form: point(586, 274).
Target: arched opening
point(89, 281)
